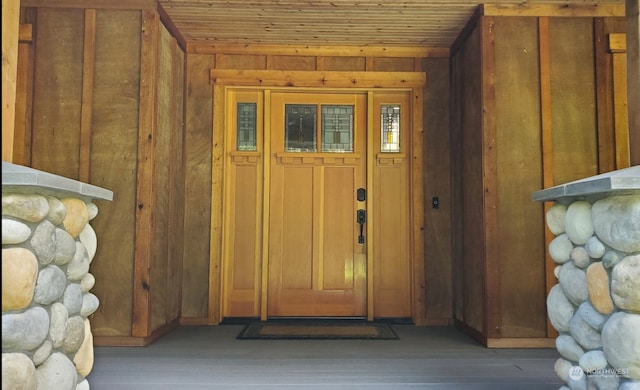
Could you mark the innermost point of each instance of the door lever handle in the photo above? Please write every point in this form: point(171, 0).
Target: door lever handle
point(361, 218)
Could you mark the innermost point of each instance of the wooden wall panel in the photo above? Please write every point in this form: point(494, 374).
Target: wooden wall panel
point(437, 183)
point(242, 275)
point(176, 186)
point(197, 187)
point(537, 118)
point(241, 61)
point(58, 80)
point(472, 188)
point(455, 141)
point(341, 63)
point(490, 180)
point(391, 274)
point(162, 209)
point(114, 136)
point(403, 64)
point(517, 85)
point(24, 90)
point(575, 150)
point(146, 159)
point(291, 63)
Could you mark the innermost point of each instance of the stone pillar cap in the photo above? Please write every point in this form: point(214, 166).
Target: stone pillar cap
point(18, 178)
point(619, 182)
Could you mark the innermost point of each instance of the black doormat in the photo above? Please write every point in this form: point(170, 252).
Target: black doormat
point(317, 330)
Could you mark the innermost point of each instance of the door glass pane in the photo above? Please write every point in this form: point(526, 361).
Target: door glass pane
point(337, 128)
point(246, 126)
point(390, 127)
point(300, 131)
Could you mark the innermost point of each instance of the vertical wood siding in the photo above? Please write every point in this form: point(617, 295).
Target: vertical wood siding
point(531, 123)
point(114, 139)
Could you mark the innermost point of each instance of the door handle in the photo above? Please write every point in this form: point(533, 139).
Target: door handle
point(361, 218)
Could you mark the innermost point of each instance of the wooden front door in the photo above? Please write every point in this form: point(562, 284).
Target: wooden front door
point(317, 255)
point(294, 162)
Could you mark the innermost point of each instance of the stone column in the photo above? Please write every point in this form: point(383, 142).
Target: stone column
point(48, 245)
point(595, 306)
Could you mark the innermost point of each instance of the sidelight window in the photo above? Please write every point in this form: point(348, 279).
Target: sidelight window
point(246, 126)
point(390, 127)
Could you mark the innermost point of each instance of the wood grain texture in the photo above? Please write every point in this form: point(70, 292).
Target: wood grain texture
point(160, 265)
point(145, 196)
point(86, 108)
point(606, 30)
point(353, 23)
point(416, 205)
point(274, 78)
point(491, 253)
point(58, 91)
point(472, 219)
point(114, 140)
point(243, 210)
point(22, 136)
point(546, 144)
point(437, 183)
point(391, 218)
point(177, 198)
point(573, 99)
point(632, 16)
point(519, 173)
point(10, 30)
point(216, 228)
point(198, 146)
point(621, 110)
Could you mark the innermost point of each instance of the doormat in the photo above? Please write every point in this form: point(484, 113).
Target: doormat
point(317, 330)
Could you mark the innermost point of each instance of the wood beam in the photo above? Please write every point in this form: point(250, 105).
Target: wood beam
point(633, 79)
point(547, 148)
point(193, 47)
point(276, 78)
point(147, 129)
point(86, 108)
point(618, 43)
point(10, 31)
point(560, 10)
point(492, 303)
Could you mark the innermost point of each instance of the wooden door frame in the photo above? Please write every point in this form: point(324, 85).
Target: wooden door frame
point(370, 82)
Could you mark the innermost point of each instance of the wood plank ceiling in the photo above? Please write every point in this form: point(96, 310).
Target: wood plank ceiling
point(376, 23)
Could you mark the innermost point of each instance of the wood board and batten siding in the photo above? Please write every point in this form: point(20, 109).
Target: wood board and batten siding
point(108, 110)
point(437, 184)
point(524, 114)
point(198, 187)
